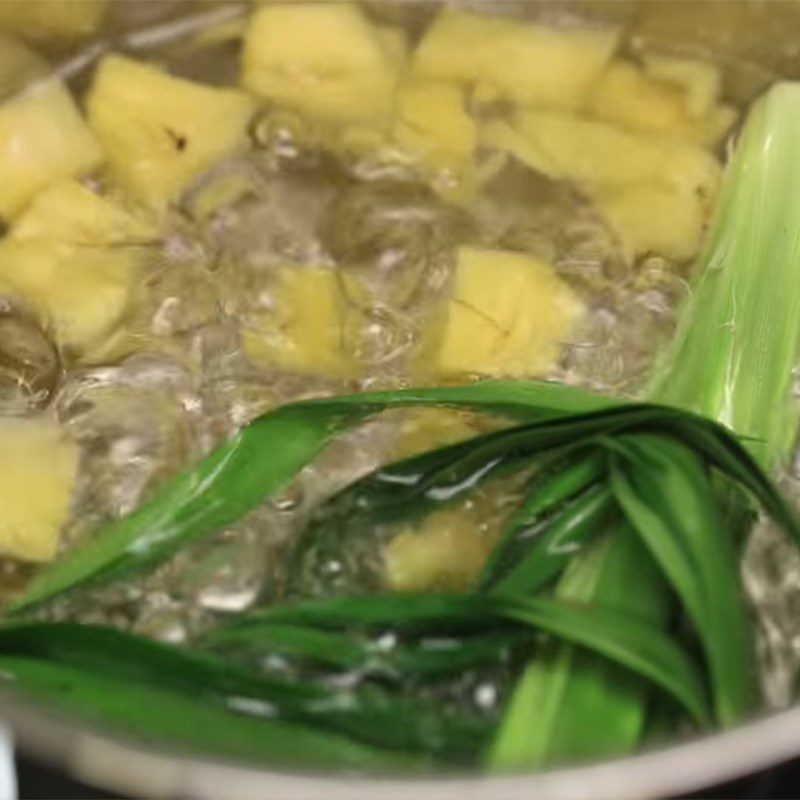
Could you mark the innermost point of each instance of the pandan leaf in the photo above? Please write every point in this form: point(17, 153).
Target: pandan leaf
point(261, 459)
point(553, 486)
point(626, 639)
point(384, 658)
point(732, 360)
point(667, 495)
point(88, 652)
point(155, 715)
point(565, 533)
point(574, 704)
point(623, 637)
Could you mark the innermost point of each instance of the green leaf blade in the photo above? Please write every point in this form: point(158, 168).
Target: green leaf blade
point(162, 717)
point(261, 459)
point(669, 500)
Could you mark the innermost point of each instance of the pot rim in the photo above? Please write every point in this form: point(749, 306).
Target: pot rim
point(119, 764)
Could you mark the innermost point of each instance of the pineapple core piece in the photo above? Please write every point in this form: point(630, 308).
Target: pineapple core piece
point(324, 60)
point(304, 330)
point(509, 315)
point(161, 132)
point(43, 137)
point(52, 20)
point(521, 62)
point(37, 474)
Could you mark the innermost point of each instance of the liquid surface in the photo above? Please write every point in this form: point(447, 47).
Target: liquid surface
point(180, 373)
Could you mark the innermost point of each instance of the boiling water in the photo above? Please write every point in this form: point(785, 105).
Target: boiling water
point(178, 382)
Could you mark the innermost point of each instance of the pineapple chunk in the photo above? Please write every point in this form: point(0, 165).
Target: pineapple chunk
point(444, 551)
point(627, 96)
point(161, 132)
point(622, 172)
point(65, 255)
point(508, 315)
point(324, 60)
point(701, 80)
point(432, 124)
point(43, 137)
point(433, 427)
point(52, 20)
point(37, 474)
point(598, 155)
point(69, 213)
point(651, 218)
point(522, 62)
point(303, 333)
point(81, 292)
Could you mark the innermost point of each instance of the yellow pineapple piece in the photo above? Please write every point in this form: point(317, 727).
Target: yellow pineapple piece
point(43, 137)
point(37, 475)
point(80, 292)
point(627, 96)
point(432, 125)
point(509, 315)
point(427, 428)
point(522, 62)
point(324, 60)
point(599, 155)
point(52, 20)
point(652, 218)
point(701, 80)
point(304, 330)
point(72, 255)
point(445, 551)
point(620, 171)
point(161, 132)
point(70, 213)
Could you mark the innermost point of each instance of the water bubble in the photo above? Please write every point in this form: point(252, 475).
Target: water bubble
point(771, 577)
point(132, 426)
point(228, 575)
point(393, 237)
point(377, 335)
point(29, 363)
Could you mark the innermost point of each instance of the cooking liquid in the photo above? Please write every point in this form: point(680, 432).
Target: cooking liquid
point(146, 411)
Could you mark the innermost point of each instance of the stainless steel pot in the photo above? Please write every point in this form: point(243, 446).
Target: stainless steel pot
point(142, 770)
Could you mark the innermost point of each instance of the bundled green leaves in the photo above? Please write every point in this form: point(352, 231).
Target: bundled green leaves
point(613, 591)
point(649, 466)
